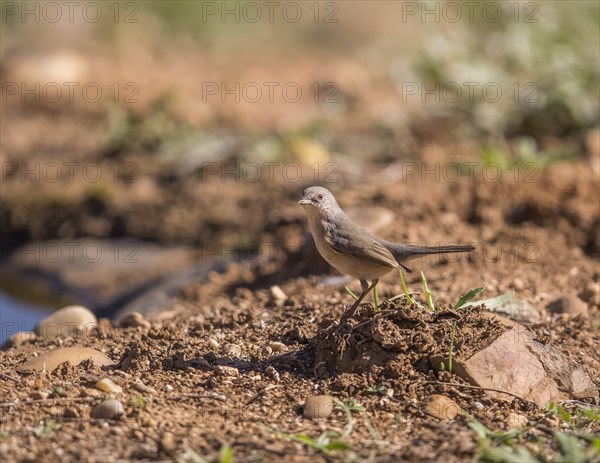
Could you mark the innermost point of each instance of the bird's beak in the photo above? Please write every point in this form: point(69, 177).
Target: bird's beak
point(304, 202)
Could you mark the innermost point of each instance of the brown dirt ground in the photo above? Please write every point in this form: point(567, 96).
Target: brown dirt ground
point(541, 239)
point(551, 251)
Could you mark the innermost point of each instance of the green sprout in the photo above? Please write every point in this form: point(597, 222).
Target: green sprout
point(427, 293)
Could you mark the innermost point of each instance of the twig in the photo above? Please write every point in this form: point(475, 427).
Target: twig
point(381, 314)
point(5, 376)
point(262, 392)
point(54, 399)
point(206, 395)
point(470, 386)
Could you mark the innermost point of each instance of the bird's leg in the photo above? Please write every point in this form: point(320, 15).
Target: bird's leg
point(366, 289)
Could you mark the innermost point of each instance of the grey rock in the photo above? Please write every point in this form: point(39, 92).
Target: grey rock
point(108, 410)
point(318, 406)
point(571, 305)
point(68, 321)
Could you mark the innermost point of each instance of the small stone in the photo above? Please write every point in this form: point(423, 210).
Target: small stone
point(134, 319)
point(592, 289)
point(227, 371)
point(442, 407)
point(267, 351)
point(516, 420)
point(551, 421)
point(108, 410)
point(318, 406)
point(89, 392)
point(278, 297)
point(213, 343)
point(573, 271)
point(570, 305)
point(39, 395)
point(68, 321)
point(232, 350)
point(141, 387)
point(147, 420)
point(272, 373)
point(518, 284)
point(109, 386)
point(74, 355)
point(278, 347)
point(167, 443)
point(70, 412)
point(20, 338)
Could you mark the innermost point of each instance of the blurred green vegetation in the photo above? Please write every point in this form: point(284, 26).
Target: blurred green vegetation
point(543, 56)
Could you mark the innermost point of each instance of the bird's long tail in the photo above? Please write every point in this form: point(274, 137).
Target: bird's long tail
point(403, 252)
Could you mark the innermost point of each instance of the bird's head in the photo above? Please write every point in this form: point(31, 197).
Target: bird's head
point(319, 198)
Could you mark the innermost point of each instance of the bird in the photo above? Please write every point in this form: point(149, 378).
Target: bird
point(353, 250)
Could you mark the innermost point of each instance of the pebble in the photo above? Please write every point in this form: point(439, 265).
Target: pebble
point(518, 284)
point(227, 371)
point(592, 289)
point(70, 412)
point(68, 321)
point(278, 346)
point(134, 319)
point(39, 395)
point(109, 409)
point(232, 350)
point(517, 420)
point(89, 392)
point(267, 351)
point(318, 406)
point(272, 373)
point(167, 442)
point(108, 386)
point(278, 297)
point(147, 420)
point(74, 355)
point(213, 343)
point(569, 304)
point(141, 387)
point(551, 421)
point(20, 338)
point(442, 407)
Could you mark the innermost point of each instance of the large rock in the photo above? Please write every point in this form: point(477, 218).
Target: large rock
point(74, 355)
point(518, 364)
point(68, 321)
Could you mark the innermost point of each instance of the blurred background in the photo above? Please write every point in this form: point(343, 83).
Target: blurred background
point(139, 139)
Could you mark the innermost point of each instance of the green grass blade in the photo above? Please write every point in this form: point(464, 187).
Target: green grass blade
point(467, 297)
point(226, 454)
point(405, 289)
point(375, 299)
point(427, 293)
point(349, 291)
point(495, 301)
point(451, 347)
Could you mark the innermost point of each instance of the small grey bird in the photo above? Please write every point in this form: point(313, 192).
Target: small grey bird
point(352, 249)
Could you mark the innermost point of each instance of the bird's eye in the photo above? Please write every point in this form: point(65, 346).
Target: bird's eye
point(320, 196)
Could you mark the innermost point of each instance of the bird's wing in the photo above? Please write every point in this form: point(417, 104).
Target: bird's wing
point(347, 237)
